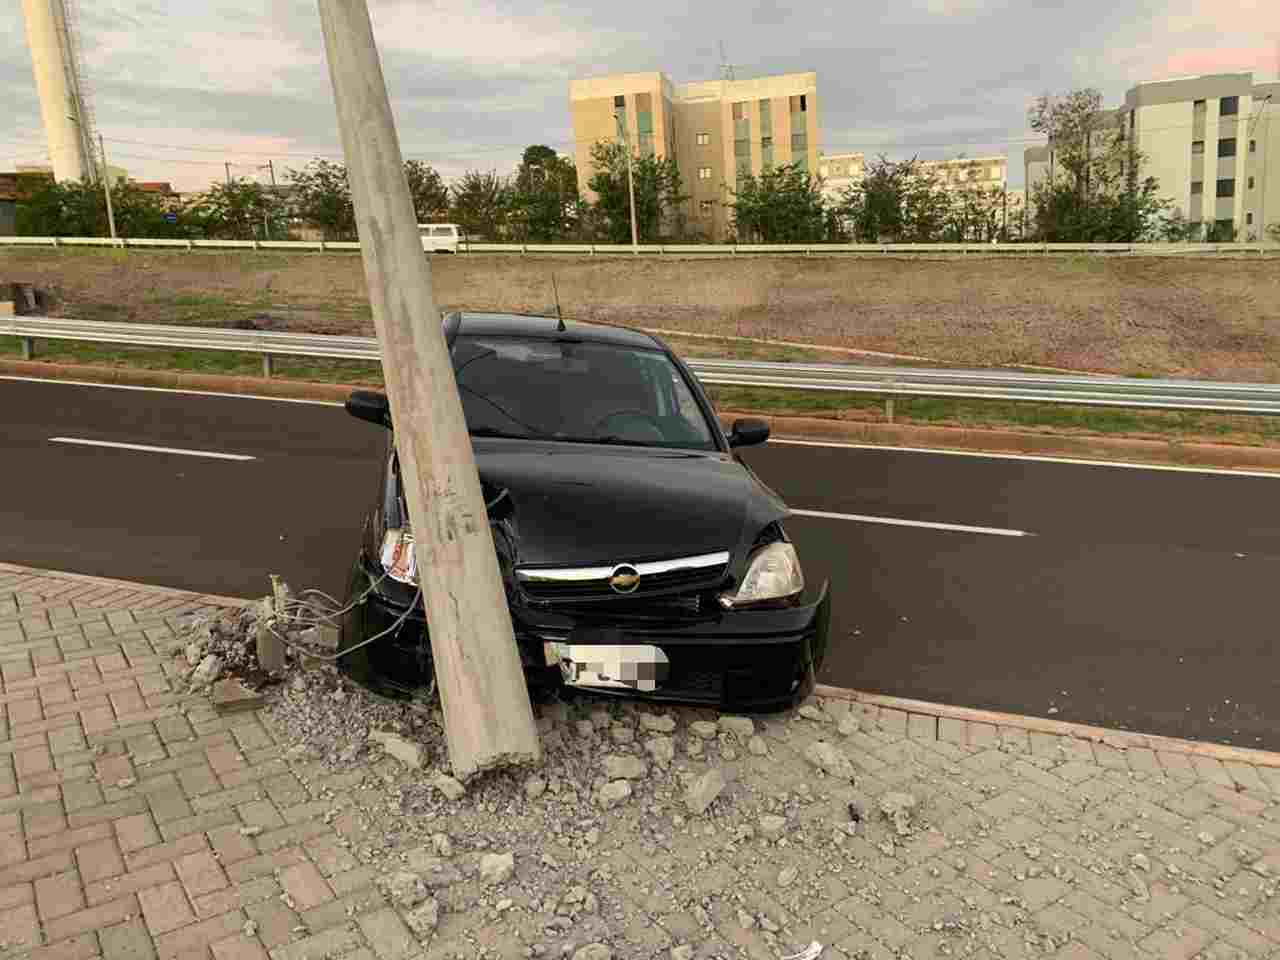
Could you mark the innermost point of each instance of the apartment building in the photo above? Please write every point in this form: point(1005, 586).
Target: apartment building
point(839, 172)
point(964, 173)
point(1213, 144)
point(714, 130)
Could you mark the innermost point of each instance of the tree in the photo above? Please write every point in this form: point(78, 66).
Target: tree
point(898, 202)
point(322, 196)
point(781, 205)
point(975, 214)
point(658, 192)
point(1176, 228)
point(480, 203)
point(1273, 231)
point(240, 209)
point(1097, 192)
point(79, 209)
point(544, 197)
point(430, 195)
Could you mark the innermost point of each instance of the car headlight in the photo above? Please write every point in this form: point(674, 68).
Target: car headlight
point(397, 556)
point(773, 573)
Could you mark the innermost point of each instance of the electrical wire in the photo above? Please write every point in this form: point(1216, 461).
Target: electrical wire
point(333, 658)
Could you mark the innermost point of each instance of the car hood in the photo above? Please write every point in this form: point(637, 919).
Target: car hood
point(578, 504)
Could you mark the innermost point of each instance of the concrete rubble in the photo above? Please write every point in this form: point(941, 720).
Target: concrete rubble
point(828, 758)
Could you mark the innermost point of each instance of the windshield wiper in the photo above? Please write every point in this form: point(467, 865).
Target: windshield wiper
point(495, 432)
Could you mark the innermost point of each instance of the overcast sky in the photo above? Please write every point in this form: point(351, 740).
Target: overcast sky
point(181, 86)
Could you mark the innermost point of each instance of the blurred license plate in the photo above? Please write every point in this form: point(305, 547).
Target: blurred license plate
point(629, 666)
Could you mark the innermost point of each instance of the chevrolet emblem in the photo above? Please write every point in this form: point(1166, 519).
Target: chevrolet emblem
point(624, 579)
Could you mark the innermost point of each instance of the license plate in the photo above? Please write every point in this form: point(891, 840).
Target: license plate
point(629, 666)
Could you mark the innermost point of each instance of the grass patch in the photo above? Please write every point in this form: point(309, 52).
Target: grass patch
point(1043, 417)
point(198, 361)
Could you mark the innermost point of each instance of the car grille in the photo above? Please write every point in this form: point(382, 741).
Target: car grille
point(679, 575)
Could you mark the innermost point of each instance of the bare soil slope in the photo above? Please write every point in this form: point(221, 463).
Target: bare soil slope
point(1204, 317)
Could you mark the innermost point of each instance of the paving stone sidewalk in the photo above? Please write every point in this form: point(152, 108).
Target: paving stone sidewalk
point(135, 822)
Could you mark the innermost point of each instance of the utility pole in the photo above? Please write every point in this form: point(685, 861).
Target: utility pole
point(631, 185)
point(271, 167)
point(227, 165)
point(106, 187)
point(487, 714)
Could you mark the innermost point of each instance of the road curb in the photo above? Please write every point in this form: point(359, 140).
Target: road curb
point(210, 599)
point(1165, 452)
point(1119, 739)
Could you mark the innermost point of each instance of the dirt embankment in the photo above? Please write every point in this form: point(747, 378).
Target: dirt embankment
point(1216, 318)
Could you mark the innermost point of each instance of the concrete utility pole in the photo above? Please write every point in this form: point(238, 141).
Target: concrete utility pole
point(631, 185)
point(106, 187)
point(227, 166)
point(487, 714)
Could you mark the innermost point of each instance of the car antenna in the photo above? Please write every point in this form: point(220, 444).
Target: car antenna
point(560, 327)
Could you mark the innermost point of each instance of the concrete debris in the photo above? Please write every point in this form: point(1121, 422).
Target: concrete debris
point(250, 928)
point(743, 728)
point(1247, 854)
point(814, 713)
point(449, 786)
point(435, 872)
point(585, 729)
point(404, 888)
point(849, 724)
point(703, 729)
point(787, 876)
point(827, 758)
point(662, 749)
point(812, 952)
point(622, 734)
point(620, 767)
point(209, 670)
point(704, 790)
point(534, 787)
point(1139, 887)
point(1140, 861)
point(593, 951)
point(897, 808)
point(442, 845)
point(683, 952)
point(195, 652)
point(230, 695)
point(1205, 837)
point(323, 636)
point(406, 751)
point(694, 747)
point(657, 723)
point(772, 825)
point(424, 918)
point(756, 747)
point(745, 920)
point(601, 718)
point(497, 867)
point(614, 793)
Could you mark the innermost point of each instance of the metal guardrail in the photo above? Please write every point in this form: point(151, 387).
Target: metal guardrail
point(687, 249)
point(1085, 390)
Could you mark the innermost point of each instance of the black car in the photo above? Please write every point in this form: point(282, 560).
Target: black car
point(640, 555)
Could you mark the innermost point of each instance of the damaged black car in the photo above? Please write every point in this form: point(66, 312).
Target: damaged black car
point(641, 556)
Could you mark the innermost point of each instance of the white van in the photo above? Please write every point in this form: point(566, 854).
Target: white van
point(439, 237)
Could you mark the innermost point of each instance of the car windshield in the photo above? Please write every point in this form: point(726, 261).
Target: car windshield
point(576, 391)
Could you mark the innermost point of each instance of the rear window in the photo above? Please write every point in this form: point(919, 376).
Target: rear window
point(577, 392)
point(442, 231)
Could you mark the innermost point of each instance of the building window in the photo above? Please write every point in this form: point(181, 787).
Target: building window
point(1226, 188)
point(1253, 146)
point(1197, 148)
point(766, 116)
point(739, 111)
point(1229, 106)
point(705, 207)
point(822, 171)
point(704, 139)
point(1197, 187)
point(1198, 105)
point(1248, 219)
point(1227, 147)
point(619, 101)
point(804, 103)
point(1251, 183)
point(704, 173)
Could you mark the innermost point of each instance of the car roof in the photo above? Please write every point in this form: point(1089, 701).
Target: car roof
point(523, 325)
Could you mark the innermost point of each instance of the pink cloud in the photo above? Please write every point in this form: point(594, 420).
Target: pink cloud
point(1261, 60)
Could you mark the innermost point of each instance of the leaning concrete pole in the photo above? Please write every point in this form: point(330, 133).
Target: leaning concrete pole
point(487, 713)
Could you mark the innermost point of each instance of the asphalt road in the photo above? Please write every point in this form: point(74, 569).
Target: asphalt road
point(1135, 598)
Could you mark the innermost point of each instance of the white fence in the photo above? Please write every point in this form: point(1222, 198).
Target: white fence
point(694, 249)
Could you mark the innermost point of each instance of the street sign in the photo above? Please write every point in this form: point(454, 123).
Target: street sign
point(170, 218)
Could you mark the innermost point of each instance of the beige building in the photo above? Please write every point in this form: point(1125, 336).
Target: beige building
point(963, 173)
point(839, 172)
point(713, 129)
point(1213, 144)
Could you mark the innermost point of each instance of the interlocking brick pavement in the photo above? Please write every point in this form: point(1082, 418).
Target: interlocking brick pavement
point(136, 822)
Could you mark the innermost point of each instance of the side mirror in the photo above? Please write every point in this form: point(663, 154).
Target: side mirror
point(748, 433)
point(369, 405)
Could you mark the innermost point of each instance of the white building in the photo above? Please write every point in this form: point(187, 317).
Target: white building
point(839, 172)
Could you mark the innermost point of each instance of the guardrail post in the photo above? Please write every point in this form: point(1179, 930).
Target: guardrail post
point(888, 409)
point(266, 364)
point(28, 347)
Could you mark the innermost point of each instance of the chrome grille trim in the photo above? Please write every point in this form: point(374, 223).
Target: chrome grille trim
point(593, 574)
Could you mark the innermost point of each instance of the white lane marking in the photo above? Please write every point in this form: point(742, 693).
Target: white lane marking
point(194, 393)
point(924, 524)
point(149, 449)
point(1221, 471)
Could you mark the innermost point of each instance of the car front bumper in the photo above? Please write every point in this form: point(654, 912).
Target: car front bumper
point(757, 660)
